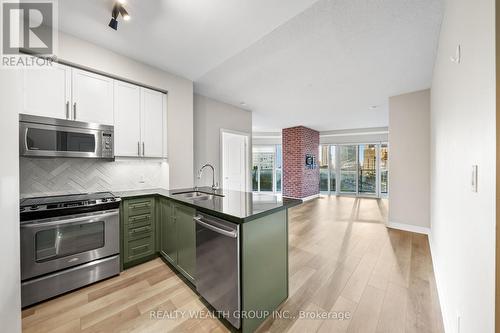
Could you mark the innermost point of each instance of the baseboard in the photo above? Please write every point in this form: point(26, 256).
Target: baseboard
point(303, 199)
point(409, 227)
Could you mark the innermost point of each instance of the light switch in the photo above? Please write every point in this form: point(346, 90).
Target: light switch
point(474, 179)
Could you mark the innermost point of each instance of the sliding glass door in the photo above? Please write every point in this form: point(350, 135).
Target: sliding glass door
point(348, 169)
point(360, 169)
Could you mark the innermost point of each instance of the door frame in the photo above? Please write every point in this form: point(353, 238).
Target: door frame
point(248, 152)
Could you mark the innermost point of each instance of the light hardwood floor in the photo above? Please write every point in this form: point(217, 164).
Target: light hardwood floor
point(343, 260)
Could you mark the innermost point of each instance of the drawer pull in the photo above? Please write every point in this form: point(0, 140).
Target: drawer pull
point(142, 205)
point(139, 218)
point(139, 230)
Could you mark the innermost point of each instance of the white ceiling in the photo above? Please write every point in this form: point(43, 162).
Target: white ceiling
point(293, 62)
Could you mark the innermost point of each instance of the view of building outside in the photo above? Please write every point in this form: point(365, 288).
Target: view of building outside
point(367, 179)
point(384, 168)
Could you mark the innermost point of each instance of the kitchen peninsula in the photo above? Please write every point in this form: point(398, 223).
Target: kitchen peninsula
point(231, 246)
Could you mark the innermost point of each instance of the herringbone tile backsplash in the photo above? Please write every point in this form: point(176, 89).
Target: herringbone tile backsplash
point(52, 176)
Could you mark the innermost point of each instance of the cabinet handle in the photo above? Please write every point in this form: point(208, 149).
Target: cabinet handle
point(67, 110)
point(138, 230)
point(74, 111)
point(141, 205)
point(140, 249)
point(140, 218)
point(138, 148)
point(143, 150)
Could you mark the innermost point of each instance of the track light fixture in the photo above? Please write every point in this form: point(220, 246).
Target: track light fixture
point(118, 9)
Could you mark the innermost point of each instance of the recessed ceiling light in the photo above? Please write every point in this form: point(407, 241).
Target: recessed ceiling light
point(373, 107)
point(243, 104)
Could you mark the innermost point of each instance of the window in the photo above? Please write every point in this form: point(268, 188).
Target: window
point(278, 170)
point(333, 183)
point(323, 169)
point(367, 177)
point(384, 169)
point(266, 168)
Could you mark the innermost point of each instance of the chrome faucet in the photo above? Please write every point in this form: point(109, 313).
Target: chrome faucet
point(214, 185)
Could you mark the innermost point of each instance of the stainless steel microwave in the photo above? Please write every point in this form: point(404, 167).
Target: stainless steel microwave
point(51, 137)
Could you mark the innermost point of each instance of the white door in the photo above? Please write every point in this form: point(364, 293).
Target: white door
point(152, 120)
point(127, 114)
point(47, 91)
point(92, 97)
point(234, 161)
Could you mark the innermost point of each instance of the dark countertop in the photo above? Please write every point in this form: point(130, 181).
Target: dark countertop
point(235, 206)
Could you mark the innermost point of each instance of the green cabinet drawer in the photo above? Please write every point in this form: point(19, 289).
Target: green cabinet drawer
point(139, 206)
point(140, 232)
point(139, 248)
point(139, 221)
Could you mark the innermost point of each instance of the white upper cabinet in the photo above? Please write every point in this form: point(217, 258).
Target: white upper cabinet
point(139, 115)
point(153, 121)
point(127, 114)
point(47, 91)
point(92, 97)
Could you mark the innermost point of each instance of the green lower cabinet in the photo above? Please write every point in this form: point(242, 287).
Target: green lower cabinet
point(138, 230)
point(178, 237)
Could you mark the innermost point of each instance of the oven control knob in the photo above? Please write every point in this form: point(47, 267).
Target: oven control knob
point(104, 200)
point(34, 207)
point(112, 199)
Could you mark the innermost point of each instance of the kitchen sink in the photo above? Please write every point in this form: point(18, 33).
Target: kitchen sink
point(197, 195)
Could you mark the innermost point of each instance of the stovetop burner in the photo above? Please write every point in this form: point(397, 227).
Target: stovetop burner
point(42, 207)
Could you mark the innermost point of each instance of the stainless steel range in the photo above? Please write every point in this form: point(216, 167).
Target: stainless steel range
point(67, 242)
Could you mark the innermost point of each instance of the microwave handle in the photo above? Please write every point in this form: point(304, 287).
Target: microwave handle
point(85, 219)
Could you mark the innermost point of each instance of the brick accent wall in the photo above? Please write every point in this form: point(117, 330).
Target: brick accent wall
point(298, 180)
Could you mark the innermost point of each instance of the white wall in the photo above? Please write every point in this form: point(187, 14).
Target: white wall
point(10, 292)
point(210, 116)
point(463, 134)
point(409, 161)
point(179, 100)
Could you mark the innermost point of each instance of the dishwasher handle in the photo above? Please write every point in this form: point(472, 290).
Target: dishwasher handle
point(206, 224)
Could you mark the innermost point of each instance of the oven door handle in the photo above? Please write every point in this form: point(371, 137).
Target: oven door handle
point(85, 219)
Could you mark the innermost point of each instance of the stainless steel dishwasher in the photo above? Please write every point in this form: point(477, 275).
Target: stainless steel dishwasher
point(218, 265)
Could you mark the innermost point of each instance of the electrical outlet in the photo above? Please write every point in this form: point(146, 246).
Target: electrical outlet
point(142, 180)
